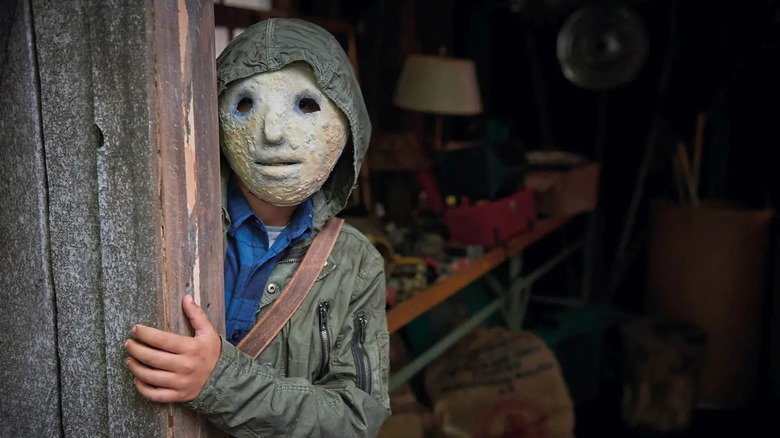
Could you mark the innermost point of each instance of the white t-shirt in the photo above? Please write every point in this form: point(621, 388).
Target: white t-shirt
point(273, 234)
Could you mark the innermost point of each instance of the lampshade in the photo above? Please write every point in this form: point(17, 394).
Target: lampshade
point(438, 85)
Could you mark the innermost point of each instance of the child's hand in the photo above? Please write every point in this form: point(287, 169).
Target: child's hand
point(170, 367)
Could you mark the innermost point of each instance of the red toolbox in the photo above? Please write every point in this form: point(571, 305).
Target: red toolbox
point(489, 223)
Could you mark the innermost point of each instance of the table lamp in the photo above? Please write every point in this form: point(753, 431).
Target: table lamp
point(438, 85)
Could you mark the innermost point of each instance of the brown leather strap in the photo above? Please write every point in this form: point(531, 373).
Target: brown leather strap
point(291, 298)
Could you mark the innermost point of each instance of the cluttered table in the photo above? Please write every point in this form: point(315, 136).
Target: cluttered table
point(504, 228)
point(413, 307)
point(512, 296)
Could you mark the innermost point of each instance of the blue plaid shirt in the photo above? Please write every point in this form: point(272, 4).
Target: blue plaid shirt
point(249, 260)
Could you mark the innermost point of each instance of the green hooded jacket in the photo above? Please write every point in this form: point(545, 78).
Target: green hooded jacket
point(325, 374)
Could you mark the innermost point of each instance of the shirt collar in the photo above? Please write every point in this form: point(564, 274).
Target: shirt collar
point(302, 221)
point(239, 210)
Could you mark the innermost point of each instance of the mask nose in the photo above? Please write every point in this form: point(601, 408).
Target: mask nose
point(273, 127)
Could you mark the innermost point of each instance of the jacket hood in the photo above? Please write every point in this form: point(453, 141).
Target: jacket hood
point(274, 43)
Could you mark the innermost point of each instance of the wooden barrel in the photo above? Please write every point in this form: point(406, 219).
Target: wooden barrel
point(707, 267)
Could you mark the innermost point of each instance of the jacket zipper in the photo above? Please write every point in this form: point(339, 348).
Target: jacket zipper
point(363, 366)
point(290, 260)
point(323, 309)
point(294, 255)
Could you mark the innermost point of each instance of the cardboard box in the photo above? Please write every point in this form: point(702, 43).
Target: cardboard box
point(565, 192)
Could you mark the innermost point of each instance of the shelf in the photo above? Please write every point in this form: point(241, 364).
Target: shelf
point(425, 300)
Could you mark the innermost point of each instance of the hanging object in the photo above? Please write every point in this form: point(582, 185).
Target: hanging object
point(602, 46)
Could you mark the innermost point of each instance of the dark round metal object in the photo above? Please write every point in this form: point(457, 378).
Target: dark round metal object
point(602, 46)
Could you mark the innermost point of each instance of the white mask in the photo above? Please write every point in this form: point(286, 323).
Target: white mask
point(281, 135)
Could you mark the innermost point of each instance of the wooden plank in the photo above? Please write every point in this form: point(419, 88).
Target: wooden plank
point(127, 176)
point(114, 166)
point(189, 192)
point(29, 390)
point(71, 151)
point(413, 307)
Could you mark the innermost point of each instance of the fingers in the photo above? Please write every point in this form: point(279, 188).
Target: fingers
point(155, 394)
point(151, 376)
point(159, 339)
point(198, 318)
point(150, 356)
point(171, 367)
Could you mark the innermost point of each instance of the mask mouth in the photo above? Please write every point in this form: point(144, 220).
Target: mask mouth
point(277, 163)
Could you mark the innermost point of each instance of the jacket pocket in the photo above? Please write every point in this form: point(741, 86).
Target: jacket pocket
point(323, 311)
point(362, 362)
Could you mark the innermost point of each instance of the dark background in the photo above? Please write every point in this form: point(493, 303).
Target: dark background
point(721, 58)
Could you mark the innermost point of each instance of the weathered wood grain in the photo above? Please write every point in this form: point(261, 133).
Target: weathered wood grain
point(111, 159)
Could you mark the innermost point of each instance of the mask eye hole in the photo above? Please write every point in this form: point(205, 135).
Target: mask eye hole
point(308, 105)
point(244, 105)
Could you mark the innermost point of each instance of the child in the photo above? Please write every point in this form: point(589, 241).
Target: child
point(293, 133)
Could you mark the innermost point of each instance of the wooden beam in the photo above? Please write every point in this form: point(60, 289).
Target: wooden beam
point(188, 158)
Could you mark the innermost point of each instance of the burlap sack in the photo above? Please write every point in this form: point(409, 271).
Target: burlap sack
point(403, 426)
point(496, 383)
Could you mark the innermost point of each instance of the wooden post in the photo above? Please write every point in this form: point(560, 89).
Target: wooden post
point(129, 204)
point(189, 180)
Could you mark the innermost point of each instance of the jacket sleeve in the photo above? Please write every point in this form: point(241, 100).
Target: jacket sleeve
point(245, 398)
